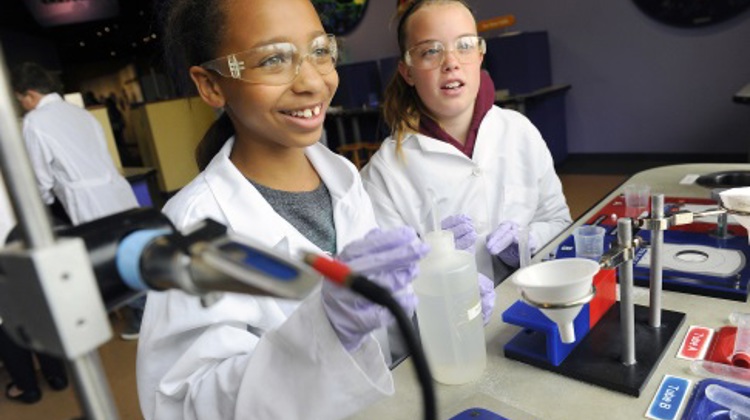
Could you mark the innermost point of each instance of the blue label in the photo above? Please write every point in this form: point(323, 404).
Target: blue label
point(668, 398)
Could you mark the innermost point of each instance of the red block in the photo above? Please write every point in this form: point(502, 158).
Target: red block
point(605, 282)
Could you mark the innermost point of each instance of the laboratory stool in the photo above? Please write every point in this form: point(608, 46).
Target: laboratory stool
point(359, 153)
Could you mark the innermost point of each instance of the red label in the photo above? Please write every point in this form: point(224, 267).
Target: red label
point(696, 343)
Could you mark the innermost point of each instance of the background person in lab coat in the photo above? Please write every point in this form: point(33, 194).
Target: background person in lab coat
point(265, 176)
point(68, 150)
point(451, 145)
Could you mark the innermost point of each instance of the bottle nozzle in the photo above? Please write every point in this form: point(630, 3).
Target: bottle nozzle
point(435, 212)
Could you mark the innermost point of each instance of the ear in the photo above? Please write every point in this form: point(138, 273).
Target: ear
point(33, 97)
point(405, 72)
point(208, 88)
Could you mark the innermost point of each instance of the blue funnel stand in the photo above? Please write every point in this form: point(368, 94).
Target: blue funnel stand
point(540, 339)
point(596, 358)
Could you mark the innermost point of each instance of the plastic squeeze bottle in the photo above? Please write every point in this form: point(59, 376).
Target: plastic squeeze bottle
point(449, 313)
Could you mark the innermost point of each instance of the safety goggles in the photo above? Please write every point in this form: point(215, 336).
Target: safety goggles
point(430, 55)
point(276, 64)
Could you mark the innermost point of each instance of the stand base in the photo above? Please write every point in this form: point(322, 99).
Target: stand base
point(596, 359)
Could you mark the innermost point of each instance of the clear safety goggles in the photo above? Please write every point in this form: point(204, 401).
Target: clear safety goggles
point(430, 55)
point(276, 64)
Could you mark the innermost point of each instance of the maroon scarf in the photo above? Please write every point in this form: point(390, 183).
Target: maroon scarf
point(485, 100)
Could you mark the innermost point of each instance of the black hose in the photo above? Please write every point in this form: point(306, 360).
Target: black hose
point(381, 296)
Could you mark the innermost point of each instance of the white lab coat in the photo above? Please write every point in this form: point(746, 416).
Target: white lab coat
point(68, 152)
point(510, 177)
point(198, 363)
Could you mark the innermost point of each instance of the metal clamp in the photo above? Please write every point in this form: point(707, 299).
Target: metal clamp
point(662, 223)
point(684, 218)
point(618, 255)
point(572, 304)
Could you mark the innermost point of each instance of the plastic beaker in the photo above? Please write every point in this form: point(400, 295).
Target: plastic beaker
point(636, 199)
point(589, 242)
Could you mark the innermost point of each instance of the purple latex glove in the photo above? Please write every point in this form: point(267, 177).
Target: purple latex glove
point(487, 295)
point(503, 242)
point(464, 234)
point(388, 258)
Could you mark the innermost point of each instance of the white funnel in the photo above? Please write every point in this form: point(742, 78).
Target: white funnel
point(558, 282)
point(738, 199)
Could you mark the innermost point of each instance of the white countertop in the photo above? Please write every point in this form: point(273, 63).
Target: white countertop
point(518, 390)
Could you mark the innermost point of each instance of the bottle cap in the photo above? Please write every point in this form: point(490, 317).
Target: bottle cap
point(440, 241)
point(741, 359)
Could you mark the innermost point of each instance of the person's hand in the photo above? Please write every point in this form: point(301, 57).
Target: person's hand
point(464, 234)
point(388, 258)
point(503, 242)
point(487, 295)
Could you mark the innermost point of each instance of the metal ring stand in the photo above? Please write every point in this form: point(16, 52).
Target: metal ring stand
point(734, 212)
point(577, 302)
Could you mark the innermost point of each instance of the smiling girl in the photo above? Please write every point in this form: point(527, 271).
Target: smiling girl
point(270, 66)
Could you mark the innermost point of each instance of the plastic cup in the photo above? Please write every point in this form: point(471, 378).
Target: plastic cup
point(636, 199)
point(589, 242)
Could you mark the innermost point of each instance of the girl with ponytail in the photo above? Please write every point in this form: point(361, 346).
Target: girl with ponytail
point(453, 152)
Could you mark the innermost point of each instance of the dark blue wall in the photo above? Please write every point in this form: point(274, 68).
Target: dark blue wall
point(638, 85)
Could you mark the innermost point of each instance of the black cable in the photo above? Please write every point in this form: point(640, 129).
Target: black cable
point(381, 296)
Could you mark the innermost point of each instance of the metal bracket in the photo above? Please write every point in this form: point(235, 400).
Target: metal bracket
point(572, 304)
point(618, 255)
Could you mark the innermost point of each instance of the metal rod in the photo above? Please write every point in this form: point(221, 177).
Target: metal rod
point(20, 181)
point(355, 129)
point(722, 226)
point(18, 175)
point(93, 389)
point(709, 213)
point(627, 313)
point(655, 272)
point(340, 129)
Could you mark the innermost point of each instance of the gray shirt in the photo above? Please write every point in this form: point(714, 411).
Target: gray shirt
point(310, 212)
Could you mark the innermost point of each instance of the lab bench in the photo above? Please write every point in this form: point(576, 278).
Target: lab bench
point(520, 391)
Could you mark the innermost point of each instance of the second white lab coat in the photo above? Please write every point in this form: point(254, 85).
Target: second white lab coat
point(210, 363)
point(68, 151)
point(510, 176)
